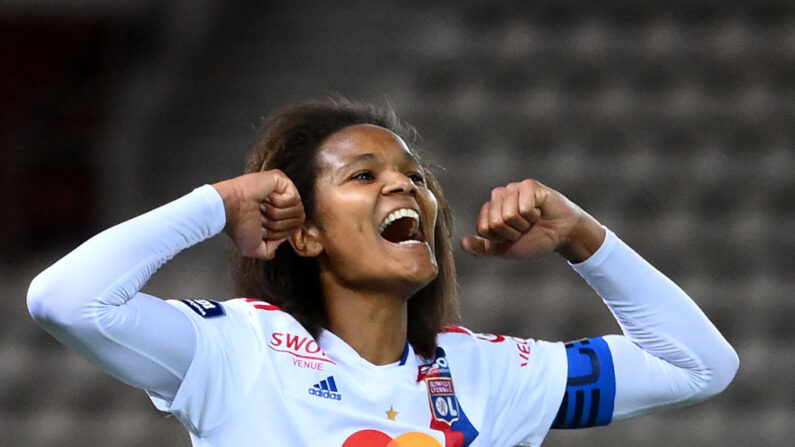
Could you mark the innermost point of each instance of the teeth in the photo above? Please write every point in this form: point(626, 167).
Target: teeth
point(399, 214)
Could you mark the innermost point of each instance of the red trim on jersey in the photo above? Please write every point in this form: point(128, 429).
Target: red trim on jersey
point(457, 329)
point(266, 307)
point(262, 304)
point(492, 338)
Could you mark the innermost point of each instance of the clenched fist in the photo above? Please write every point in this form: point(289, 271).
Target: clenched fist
point(262, 210)
point(528, 219)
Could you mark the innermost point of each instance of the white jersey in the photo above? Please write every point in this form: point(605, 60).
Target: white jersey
point(243, 373)
point(258, 378)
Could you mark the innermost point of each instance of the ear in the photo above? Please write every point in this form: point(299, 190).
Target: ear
point(306, 241)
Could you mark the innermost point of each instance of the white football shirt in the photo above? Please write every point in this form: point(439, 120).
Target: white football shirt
point(258, 378)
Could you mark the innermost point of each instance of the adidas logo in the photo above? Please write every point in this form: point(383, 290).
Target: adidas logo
point(326, 389)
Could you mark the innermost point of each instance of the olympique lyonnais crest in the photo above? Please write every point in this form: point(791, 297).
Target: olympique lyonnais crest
point(444, 405)
point(447, 414)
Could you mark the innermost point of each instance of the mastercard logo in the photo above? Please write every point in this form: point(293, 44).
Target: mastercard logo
point(375, 438)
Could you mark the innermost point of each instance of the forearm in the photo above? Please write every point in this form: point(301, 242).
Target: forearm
point(89, 299)
point(111, 267)
point(682, 356)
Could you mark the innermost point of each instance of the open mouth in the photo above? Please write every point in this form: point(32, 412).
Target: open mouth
point(401, 226)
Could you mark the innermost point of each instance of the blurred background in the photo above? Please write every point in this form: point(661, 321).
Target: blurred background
point(673, 125)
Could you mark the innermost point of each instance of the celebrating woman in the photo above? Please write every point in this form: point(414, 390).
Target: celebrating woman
point(345, 334)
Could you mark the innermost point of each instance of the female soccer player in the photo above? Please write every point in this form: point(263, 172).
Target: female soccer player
point(346, 266)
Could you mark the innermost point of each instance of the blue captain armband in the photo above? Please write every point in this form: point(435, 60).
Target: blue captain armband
point(590, 387)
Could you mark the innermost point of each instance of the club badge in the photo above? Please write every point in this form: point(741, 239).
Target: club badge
point(446, 414)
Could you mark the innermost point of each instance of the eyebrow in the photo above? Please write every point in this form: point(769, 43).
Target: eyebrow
point(369, 156)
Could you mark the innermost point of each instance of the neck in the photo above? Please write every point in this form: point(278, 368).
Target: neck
point(373, 323)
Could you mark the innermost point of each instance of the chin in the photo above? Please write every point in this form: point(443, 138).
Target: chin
point(419, 276)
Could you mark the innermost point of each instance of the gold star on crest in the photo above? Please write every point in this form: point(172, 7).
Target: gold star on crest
point(391, 414)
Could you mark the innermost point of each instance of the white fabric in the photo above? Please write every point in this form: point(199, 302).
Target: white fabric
point(254, 368)
point(683, 358)
point(233, 379)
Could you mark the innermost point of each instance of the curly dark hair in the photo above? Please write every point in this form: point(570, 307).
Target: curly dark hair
point(289, 142)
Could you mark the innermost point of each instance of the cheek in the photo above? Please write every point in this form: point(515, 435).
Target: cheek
point(342, 223)
point(431, 212)
point(348, 220)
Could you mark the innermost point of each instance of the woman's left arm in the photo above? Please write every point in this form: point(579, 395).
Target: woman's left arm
point(670, 353)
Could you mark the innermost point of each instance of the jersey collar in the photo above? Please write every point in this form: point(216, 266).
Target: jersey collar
point(338, 350)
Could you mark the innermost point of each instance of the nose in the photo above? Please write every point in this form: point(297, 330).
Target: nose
point(399, 183)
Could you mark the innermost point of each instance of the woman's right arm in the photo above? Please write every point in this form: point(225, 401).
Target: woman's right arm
point(90, 300)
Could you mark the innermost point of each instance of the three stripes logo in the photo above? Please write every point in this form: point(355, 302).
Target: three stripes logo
point(326, 389)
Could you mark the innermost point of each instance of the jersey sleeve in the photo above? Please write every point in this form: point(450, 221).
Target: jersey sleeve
point(670, 354)
point(215, 384)
point(90, 299)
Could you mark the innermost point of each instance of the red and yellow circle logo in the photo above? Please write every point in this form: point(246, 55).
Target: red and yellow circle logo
point(375, 438)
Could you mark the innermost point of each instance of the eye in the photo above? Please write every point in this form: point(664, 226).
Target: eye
point(363, 176)
point(417, 178)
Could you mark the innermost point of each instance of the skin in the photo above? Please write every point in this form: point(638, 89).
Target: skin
point(365, 173)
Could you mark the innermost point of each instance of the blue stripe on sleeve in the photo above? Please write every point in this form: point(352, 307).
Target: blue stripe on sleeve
point(590, 387)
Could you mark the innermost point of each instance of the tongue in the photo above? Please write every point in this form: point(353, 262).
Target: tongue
point(399, 230)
